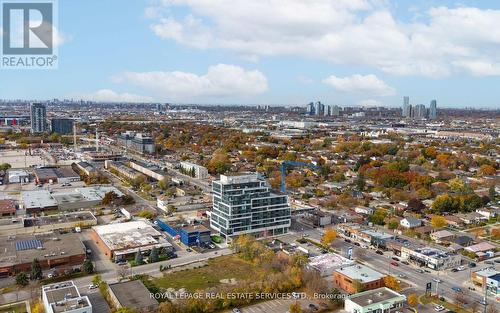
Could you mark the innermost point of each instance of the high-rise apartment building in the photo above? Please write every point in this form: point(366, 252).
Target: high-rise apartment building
point(61, 126)
point(406, 107)
point(310, 108)
point(334, 110)
point(419, 111)
point(244, 204)
point(433, 110)
point(319, 108)
point(38, 114)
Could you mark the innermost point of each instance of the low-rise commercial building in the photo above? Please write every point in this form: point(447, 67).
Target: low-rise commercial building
point(7, 208)
point(194, 170)
point(434, 258)
point(150, 170)
point(122, 240)
point(64, 297)
point(488, 277)
point(84, 167)
point(17, 176)
point(326, 264)
point(381, 300)
point(54, 174)
point(132, 294)
point(357, 277)
point(190, 235)
point(85, 197)
point(54, 251)
point(121, 169)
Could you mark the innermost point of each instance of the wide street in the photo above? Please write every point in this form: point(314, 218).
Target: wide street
point(406, 273)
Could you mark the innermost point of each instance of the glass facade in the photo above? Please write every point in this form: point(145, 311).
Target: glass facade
point(245, 205)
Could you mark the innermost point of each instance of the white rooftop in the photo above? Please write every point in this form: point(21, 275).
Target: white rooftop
point(328, 261)
point(37, 199)
point(129, 235)
point(239, 179)
point(361, 273)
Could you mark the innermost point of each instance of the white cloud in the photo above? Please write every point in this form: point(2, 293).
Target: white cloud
point(360, 83)
point(360, 32)
point(370, 103)
point(221, 80)
point(108, 95)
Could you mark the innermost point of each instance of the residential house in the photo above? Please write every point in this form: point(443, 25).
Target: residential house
point(410, 222)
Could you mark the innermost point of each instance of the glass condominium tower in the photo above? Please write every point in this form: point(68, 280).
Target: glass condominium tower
point(244, 204)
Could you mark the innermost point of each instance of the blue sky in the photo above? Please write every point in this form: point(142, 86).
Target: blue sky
point(356, 52)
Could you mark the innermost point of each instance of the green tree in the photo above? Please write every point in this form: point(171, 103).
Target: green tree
point(295, 307)
point(96, 280)
point(360, 182)
point(378, 217)
point(154, 256)
point(5, 166)
point(492, 192)
point(36, 270)
point(22, 279)
point(87, 266)
point(138, 258)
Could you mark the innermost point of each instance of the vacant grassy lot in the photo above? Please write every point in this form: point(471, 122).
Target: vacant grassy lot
point(225, 267)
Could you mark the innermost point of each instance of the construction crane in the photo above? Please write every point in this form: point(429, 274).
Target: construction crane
point(286, 164)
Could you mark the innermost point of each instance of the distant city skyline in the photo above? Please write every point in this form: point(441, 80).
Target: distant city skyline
point(347, 53)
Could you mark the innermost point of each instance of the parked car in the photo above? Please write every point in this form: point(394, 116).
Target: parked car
point(395, 259)
point(312, 307)
point(461, 268)
point(472, 264)
point(394, 263)
point(405, 263)
point(454, 270)
point(93, 286)
point(418, 270)
point(456, 289)
point(379, 252)
point(438, 308)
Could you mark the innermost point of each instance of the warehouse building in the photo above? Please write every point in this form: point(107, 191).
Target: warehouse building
point(53, 174)
point(86, 197)
point(132, 294)
point(122, 240)
point(54, 251)
point(150, 170)
point(190, 235)
point(18, 176)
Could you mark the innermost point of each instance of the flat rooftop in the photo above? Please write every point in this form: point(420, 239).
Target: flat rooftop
point(69, 217)
point(239, 178)
point(37, 199)
point(329, 261)
point(130, 235)
point(376, 296)
point(64, 297)
point(360, 272)
point(22, 249)
point(133, 294)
